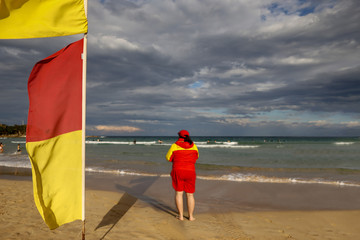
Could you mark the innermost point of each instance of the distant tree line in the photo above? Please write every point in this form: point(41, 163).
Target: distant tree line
point(16, 130)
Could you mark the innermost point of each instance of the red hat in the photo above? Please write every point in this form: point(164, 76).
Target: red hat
point(183, 133)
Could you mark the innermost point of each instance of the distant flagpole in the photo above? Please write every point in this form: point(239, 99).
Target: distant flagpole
point(84, 57)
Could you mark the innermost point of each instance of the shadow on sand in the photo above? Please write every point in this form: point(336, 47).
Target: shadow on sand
point(117, 212)
point(131, 195)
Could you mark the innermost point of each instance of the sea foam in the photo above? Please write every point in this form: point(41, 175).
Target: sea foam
point(239, 177)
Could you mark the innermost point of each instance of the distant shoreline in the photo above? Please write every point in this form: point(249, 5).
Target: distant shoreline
point(13, 136)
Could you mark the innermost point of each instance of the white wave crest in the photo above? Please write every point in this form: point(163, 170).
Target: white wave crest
point(15, 163)
point(118, 172)
point(262, 179)
point(121, 143)
point(156, 143)
point(344, 143)
point(228, 146)
point(17, 142)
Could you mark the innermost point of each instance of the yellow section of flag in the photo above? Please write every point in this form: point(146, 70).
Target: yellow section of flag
point(57, 177)
point(41, 18)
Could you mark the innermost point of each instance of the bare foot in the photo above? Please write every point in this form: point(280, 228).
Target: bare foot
point(192, 219)
point(179, 218)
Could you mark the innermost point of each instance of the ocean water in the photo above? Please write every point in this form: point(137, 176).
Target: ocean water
point(308, 160)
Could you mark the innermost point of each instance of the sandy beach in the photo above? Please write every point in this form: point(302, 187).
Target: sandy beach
point(138, 207)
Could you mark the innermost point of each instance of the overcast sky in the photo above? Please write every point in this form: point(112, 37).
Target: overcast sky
point(229, 67)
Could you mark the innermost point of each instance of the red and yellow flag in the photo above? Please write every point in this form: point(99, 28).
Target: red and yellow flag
point(54, 135)
point(41, 18)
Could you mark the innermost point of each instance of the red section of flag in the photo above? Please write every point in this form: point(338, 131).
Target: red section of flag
point(55, 94)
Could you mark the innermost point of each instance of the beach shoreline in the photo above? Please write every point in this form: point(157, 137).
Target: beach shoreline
point(234, 195)
point(141, 207)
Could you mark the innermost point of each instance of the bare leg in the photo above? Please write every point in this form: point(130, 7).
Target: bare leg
point(191, 205)
point(179, 204)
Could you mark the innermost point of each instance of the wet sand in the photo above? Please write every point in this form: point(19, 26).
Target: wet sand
point(138, 207)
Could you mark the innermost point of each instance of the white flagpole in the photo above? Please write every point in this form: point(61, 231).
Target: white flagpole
point(84, 57)
point(83, 131)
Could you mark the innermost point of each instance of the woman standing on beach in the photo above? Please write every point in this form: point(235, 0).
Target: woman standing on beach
point(183, 154)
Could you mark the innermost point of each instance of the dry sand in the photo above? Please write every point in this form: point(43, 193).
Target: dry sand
point(143, 214)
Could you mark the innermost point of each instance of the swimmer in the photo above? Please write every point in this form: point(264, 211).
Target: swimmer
point(18, 149)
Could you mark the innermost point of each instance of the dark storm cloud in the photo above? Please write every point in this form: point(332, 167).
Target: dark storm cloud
point(329, 92)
